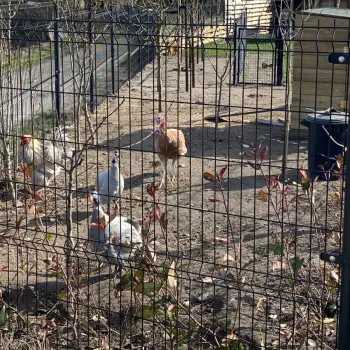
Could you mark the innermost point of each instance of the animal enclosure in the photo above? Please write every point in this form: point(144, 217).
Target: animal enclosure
point(145, 199)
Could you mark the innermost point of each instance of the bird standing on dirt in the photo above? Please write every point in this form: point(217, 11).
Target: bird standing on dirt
point(98, 223)
point(42, 175)
point(125, 239)
point(110, 183)
point(170, 144)
point(43, 159)
point(115, 241)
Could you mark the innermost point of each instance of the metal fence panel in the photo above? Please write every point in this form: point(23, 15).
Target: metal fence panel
point(147, 200)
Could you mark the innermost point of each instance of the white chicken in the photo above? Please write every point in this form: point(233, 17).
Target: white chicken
point(170, 144)
point(96, 235)
point(42, 175)
point(43, 158)
point(114, 242)
point(110, 184)
point(125, 238)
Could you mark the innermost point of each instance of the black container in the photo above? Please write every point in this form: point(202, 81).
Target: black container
point(326, 140)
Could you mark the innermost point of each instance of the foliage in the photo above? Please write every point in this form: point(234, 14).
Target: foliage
point(221, 270)
point(290, 264)
point(152, 282)
point(156, 287)
point(3, 316)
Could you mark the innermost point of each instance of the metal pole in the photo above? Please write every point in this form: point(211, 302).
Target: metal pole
point(112, 52)
point(57, 66)
point(129, 46)
point(91, 85)
point(235, 53)
point(343, 259)
point(279, 56)
point(181, 7)
point(198, 21)
point(344, 309)
point(186, 51)
point(192, 55)
point(288, 113)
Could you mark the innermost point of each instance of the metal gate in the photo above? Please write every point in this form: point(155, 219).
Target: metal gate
point(258, 54)
point(239, 46)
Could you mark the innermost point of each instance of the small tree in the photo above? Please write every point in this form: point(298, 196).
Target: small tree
point(77, 37)
point(221, 39)
point(7, 115)
point(285, 20)
point(158, 10)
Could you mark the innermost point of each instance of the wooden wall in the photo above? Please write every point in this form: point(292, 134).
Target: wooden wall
point(318, 84)
point(259, 12)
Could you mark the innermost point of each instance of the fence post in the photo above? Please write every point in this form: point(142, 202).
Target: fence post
point(278, 56)
point(193, 76)
point(197, 29)
point(343, 259)
point(112, 50)
point(243, 45)
point(186, 52)
point(235, 53)
point(344, 308)
point(91, 84)
point(141, 42)
point(57, 66)
point(129, 45)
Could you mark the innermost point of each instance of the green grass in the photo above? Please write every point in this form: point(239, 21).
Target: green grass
point(39, 124)
point(220, 49)
point(260, 45)
point(25, 57)
point(214, 50)
point(28, 57)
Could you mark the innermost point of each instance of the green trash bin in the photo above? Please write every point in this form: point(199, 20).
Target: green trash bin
point(326, 140)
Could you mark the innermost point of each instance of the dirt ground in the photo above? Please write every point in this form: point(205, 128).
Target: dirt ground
point(194, 222)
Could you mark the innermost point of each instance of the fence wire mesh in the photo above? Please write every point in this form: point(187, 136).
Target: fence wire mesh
point(157, 188)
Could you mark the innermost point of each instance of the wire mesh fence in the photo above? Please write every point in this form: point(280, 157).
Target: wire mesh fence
point(158, 191)
point(45, 52)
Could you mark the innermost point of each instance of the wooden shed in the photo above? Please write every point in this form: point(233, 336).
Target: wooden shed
point(259, 12)
point(318, 84)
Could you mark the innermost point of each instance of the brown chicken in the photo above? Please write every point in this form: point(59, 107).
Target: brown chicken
point(170, 144)
point(172, 49)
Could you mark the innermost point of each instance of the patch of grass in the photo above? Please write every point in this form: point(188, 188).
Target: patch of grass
point(39, 124)
point(29, 57)
point(260, 45)
point(38, 54)
point(220, 49)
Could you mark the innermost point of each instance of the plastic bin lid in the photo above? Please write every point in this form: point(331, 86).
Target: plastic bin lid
point(329, 116)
